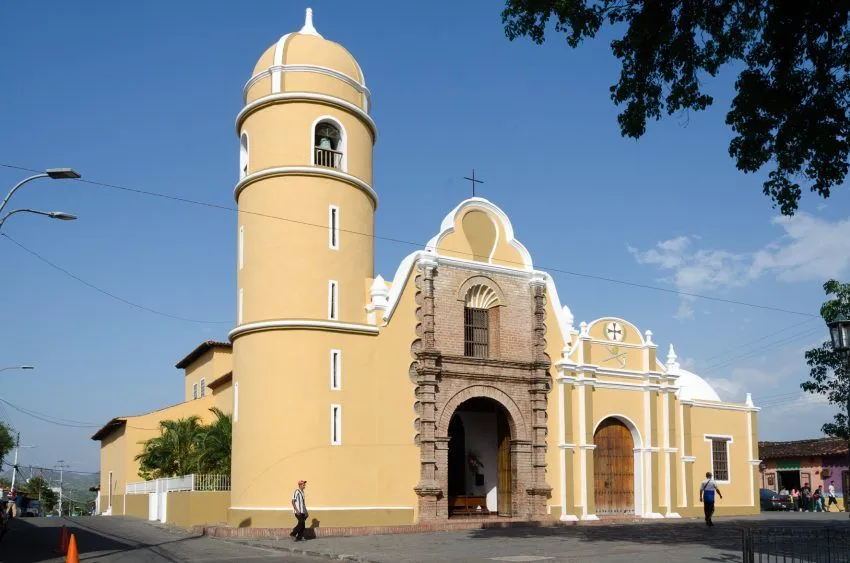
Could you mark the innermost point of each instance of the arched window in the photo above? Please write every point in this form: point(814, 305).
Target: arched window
point(329, 145)
point(480, 322)
point(243, 155)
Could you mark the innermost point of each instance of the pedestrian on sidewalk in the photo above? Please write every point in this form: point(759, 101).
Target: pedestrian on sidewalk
point(300, 508)
point(707, 490)
point(831, 497)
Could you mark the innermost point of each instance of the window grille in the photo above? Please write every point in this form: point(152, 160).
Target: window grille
point(720, 458)
point(476, 339)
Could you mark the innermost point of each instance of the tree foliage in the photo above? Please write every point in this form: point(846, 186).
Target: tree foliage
point(39, 488)
point(7, 440)
point(790, 111)
point(185, 446)
point(829, 374)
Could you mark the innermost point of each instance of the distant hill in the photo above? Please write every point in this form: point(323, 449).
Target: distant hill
point(75, 485)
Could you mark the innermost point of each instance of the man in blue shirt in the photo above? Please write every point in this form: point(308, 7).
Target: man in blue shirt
point(707, 490)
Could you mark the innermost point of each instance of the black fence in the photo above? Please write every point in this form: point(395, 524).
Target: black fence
point(774, 544)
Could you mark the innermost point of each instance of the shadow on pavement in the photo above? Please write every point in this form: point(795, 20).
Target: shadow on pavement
point(30, 540)
point(725, 536)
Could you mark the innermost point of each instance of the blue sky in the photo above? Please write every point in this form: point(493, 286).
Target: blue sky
point(144, 95)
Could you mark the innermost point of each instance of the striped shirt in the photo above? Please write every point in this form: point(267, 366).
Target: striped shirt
point(298, 499)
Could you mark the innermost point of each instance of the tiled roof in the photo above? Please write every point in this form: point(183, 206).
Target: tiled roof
point(802, 448)
point(197, 352)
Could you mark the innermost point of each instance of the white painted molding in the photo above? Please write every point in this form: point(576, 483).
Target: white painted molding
point(568, 518)
point(652, 515)
point(567, 446)
point(280, 69)
point(296, 324)
point(306, 97)
point(289, 508)
point(591, 517)
point(755, 462)
point(321, 171)
point(721, 406)
point(672, 515)
point(689, 458)
point(447, 227)
point(619, 320)
point(588, 446)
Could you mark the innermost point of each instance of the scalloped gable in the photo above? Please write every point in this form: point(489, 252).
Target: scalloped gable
point(477, 230)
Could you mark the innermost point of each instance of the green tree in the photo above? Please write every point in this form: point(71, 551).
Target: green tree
point(215, 444)
point(7, 440)
point(790, 111)
point(829, 374)
point(174, 452)
point(39, 488)
point(186, 446)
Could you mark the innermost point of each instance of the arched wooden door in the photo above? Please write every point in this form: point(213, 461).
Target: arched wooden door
point(614, 468)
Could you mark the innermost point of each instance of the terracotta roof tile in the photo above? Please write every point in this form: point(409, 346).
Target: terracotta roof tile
point(803, 448)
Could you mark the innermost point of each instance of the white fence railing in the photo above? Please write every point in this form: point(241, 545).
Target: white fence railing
point(183, 483)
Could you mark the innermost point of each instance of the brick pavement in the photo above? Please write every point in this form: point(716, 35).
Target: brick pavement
point(639, 542)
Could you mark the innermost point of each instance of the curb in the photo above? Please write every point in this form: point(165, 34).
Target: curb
point(297, 550)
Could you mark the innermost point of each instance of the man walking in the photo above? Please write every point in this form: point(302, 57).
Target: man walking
point(707, 490)
point(300, 508)
point(830, 495)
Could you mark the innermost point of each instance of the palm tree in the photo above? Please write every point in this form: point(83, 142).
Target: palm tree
point(215, 444)
point(174, 452)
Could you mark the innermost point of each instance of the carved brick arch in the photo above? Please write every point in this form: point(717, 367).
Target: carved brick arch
point(471, 282)
point(519, 428)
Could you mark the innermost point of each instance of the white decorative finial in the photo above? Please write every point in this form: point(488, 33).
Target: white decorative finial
point(649, 337)
point(568, 318)
point(671, 355)
point(583, 327)
point(308, 28)
point(749, 400)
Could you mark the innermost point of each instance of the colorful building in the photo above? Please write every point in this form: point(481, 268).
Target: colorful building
point(461, 385)
point(789, 465)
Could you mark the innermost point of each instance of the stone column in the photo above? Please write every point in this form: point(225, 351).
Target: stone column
point(539, 490)
point(429, 488)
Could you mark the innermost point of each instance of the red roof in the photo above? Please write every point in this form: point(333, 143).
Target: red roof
point(802, 448)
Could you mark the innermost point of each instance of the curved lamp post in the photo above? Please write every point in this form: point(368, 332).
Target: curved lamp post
point(17, 367)
point(52, 173)
point(61, 215)
point(839, 332)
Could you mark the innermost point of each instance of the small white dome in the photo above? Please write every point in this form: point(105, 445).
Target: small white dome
point(693, 387)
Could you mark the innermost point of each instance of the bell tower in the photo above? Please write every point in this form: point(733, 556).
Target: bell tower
point(305, 252)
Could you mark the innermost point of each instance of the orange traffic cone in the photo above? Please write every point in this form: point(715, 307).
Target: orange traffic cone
point(72, 557)
point(62, 546)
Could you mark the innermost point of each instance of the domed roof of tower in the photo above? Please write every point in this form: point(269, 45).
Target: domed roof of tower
point(304, 61)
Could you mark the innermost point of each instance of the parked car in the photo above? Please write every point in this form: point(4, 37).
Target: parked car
point(771, 500)
point(33, 509)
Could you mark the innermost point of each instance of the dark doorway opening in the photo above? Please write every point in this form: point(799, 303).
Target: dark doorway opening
point(788, 480)
point(480, 471)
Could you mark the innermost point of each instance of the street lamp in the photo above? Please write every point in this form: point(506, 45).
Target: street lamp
point(17, 367)
point(52, 173)
point(839, 331)
point(61, 215)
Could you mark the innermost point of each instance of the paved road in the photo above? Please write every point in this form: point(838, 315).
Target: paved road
point(643, 542)
point(125, 540)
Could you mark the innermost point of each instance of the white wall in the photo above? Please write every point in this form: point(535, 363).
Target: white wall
point(482, 439)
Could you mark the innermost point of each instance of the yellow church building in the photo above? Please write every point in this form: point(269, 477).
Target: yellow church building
point(460, 386)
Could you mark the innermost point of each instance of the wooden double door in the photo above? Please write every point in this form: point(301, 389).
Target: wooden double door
point(614, 468)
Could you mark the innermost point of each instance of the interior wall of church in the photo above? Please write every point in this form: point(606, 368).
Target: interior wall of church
point(482, 444)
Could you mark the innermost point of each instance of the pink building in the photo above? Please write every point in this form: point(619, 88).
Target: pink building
point(789, 465)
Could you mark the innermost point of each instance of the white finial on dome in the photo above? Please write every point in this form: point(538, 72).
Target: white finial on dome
point(308, 28)
point(672, 364)
point(749, 400)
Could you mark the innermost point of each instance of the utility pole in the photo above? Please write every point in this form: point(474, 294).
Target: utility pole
point(61, 465)
point(15, 465)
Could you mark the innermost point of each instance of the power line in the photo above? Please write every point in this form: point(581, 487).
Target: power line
point(765, 337)
point(418, 245)
point(103, 291)
point(747, 355)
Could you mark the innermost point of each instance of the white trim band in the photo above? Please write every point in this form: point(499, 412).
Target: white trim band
point(723, 406)
point(305, 171)
point(312, 508)
point(308, 97)
point(318, 69)
point(297, 324)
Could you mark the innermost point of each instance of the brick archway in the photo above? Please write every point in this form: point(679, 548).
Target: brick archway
point(519, 429)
